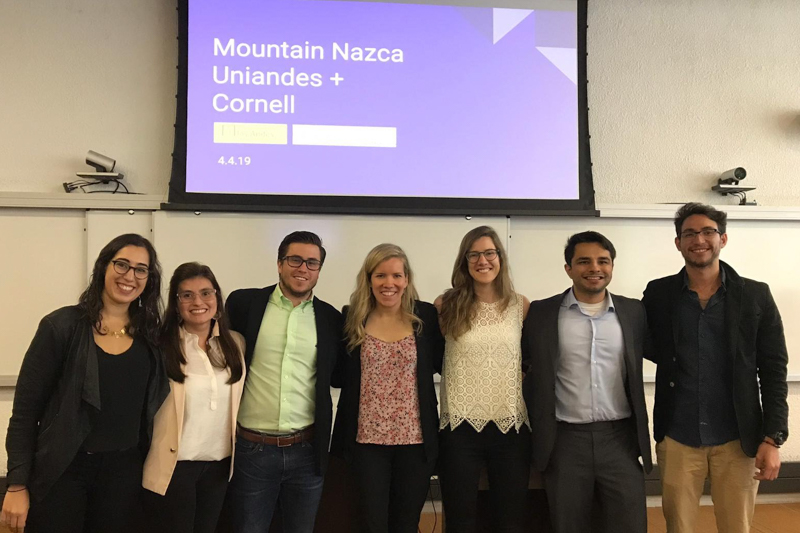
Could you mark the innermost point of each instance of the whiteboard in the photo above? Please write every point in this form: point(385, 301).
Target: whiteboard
point(242, 250)
point(758, 249)
point(43, 268)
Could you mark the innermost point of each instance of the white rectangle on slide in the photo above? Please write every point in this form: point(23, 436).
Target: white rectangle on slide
point(365, 136)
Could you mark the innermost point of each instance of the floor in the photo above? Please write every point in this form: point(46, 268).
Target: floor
point(774, 514)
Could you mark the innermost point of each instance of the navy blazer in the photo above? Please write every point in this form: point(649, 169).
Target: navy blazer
point(540, 362)
point(245, 309)
point(430, 351)
point(755, 343)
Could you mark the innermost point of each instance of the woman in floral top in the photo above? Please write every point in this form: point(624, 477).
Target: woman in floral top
point(386, 423)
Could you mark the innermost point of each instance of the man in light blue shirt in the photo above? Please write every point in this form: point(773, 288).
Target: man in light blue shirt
point(582, 351)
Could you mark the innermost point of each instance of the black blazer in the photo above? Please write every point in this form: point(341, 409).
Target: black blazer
point(57, 399)
point(755, 342)
point(246, 307)
point(430, 350)
point(540, 361)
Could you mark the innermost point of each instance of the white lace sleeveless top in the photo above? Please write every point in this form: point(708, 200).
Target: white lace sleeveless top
point(482, 375)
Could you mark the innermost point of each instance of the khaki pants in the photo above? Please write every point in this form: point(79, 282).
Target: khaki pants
point(683, 472)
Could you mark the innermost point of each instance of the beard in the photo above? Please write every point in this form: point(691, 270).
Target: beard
point(287, 289)
point(702, 263)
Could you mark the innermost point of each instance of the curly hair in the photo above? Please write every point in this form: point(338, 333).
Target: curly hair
point(145, 314)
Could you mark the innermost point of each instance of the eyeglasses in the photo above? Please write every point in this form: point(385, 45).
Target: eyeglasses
point(295, 261)
point(122, 267)
point(705, 232)
point(490, 255)
point(188, 296)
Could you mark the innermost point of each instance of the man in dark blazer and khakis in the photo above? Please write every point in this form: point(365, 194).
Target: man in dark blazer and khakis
point(582, 352)
point(721, 411)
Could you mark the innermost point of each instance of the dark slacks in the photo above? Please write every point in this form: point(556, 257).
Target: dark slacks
point(463, 452)
point(596, 462)
point(98, 493)
point(393, 482)
point(193, 500)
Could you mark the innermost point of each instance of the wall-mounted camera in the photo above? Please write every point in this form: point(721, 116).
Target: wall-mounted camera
point(103, 175)
point(729, 183)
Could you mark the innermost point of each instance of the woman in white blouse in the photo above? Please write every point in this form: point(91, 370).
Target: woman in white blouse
point(190, 460)
point(484, 421)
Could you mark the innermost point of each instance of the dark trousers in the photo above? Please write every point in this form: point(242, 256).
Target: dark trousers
point(462, 454)
point(596, 462)
point(98, 493)
point(193, 500)
point(393, 482)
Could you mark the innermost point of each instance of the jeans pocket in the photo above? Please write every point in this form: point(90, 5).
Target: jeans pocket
point(245, 447)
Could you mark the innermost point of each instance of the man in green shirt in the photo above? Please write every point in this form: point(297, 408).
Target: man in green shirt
point(284, 424)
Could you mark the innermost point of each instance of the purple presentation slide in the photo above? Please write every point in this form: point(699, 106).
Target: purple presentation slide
point(321, 97)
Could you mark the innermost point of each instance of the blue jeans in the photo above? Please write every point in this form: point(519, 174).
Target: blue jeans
point(265, 474)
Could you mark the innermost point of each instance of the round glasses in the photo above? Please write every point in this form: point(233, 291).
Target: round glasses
point(188, 296)
point(122, 267)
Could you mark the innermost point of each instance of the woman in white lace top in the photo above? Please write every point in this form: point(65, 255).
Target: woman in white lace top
point(483, 417)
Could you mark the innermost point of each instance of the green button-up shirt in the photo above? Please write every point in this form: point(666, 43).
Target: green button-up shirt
point(279, 394)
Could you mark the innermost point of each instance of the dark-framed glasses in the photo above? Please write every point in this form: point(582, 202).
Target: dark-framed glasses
point(490, 255)
point(705, 232)
point(295, 261)
point(122, 267)
point(188, 296)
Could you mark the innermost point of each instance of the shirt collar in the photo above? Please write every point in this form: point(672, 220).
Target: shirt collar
point(722, 277)
point(570, 301)
point(278, 298)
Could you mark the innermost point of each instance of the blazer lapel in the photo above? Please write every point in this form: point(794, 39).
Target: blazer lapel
point(256, 316)
point(550, 323)
point(627, 337)
point(179, 393)
point(733, 308)
point(674, 294)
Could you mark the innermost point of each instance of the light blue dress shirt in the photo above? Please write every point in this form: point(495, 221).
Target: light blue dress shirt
point(591, 372)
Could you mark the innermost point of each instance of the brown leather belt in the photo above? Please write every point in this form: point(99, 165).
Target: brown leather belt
point(283, 441)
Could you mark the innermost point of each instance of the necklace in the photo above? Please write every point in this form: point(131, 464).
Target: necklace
point(117, 334)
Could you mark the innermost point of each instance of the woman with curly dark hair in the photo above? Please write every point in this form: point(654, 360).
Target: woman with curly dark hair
point(89, 387)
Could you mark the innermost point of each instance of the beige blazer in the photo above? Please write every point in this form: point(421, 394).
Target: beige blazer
point(168, 425)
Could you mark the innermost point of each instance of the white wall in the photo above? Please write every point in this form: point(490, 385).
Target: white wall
point(679, 91)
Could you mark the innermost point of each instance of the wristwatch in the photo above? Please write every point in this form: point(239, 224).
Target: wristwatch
point(779, 437)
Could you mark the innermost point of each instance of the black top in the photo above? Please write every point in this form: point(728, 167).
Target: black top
point(754, 344)
point(57, 398)
point(123, 382)
point(704, 414)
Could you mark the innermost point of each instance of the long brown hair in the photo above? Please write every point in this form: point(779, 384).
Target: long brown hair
point(458, 304)
point(145, 312)
point(362, 301)
point(171, 344)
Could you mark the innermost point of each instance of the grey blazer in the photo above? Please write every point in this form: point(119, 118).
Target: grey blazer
point(539, 361)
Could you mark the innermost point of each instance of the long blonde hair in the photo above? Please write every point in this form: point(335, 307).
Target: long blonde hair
point(458, 304)
point(362, 301)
